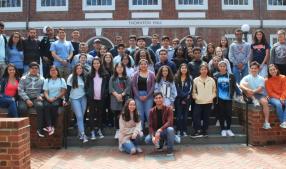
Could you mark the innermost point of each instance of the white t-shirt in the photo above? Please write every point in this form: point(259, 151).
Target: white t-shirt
point(79, 92)
point(54, 86)
point(2, 48)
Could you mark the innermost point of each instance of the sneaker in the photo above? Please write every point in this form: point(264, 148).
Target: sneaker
point(92, 135)
point(229, 133)
point(177, 139)
point(178, 133)
point(185, 134)
point(223, 133)
point(256, 103)
point(116, 134)
point(100, 134)
point(266, 126)
point(204, 133)
point(217, 123)
point(139, 150)
point(196, 134)
point(170, 153)
point(283, 125)
point(52, 131)
point(85, 139)
point(47, 129)
point(40, 133)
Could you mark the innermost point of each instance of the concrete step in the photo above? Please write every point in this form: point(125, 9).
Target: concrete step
point(73, 141)
point(236, 129)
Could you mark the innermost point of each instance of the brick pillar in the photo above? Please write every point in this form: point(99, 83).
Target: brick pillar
point(14, 143)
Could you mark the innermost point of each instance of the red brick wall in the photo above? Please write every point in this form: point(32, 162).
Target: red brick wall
point(14, 143)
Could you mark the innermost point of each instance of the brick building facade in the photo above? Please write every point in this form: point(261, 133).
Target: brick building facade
point(105, 19)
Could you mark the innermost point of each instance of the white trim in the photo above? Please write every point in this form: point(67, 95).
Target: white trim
point(98, 31)
point(274, 23)
point(232, 36)
point(272, 36)
point(98, 15)
point(12, 9)
point(276, 7)
point(145, 15)
point(86, 7)
point(191, 14)
point(15, 25)
point(237, 7)
point(145, 7)
point(192, 7)
point(192, 30)
point(99, 37)
point(40, 8)
point(145, 31)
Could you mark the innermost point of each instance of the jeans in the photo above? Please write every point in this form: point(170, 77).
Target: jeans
point(79, 107)
point(26, 69)
point(238, 75)
point(224, 108)
point(3, 66)
point(131, 144)
point(201, 112)
point(10, 103)
point(168, 135)
point(279, 109)
point(144, 107)
point(263, 72)
point(39, 106)
point(181, 115)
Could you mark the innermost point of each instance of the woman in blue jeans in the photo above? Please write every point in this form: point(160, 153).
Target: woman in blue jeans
point(9, 90)
point(143, 84)
point(76, 96)
point(130, 129)
point(276, 89)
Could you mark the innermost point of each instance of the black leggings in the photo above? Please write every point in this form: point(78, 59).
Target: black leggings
point(96, 110)
point(116, 118)
point(224, 113)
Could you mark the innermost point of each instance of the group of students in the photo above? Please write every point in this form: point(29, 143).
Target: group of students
point(122, 85)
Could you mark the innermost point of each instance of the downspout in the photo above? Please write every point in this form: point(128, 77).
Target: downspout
point(28, 14)
point(260, 14)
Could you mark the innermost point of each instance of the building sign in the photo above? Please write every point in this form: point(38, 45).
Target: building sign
point(145, 22)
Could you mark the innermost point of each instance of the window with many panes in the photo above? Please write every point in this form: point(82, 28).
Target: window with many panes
point(237, 4)
point(276, 4)
point(52, 5)
point(191, 4)
point(145, 4)
point(98, 4)
point(10, 5)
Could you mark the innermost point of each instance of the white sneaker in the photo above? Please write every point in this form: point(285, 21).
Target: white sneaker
point(93, 135)
point(139, 150)
point(185, 134)
point(178, 133)
point(116, 134)
point(100, 134)
point(177, 139)
point(283, 125)
point(85, 139)
point(266, 126)
point(223, 133)
point(217, 123)
point(256, 103)
point(229, 133)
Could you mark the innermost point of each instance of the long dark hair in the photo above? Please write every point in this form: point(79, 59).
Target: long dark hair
point(74, 76)
point(176, 50)
point(220, 45)
point(159, 76)
point(115, 74)
point(263, 40)
point(278, 72)
point(101, 72)
point(6, 74)
point(49, 75)
point(179, 74)
point(107, 66)
point(137, 57)
point(126, 112)
point(19, 45)
point(129, 60)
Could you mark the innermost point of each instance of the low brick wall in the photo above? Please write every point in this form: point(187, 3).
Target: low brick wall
point(14, 143)
point(54, 141)
point(257, 135)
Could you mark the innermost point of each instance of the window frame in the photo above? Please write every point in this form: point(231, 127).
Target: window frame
point(271, 39)
point(12, 9)
point(192, 7)
point(232, 36)
point(86, 7)
point(275, 7)
point(40, 8)
point(145, 7)
point(237, 7)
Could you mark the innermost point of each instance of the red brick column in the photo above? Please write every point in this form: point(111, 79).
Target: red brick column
point(14, 143)
point(258, 135)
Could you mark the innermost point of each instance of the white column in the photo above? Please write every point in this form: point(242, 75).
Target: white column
point(192, 30)
point(145, 31)
point(98, 31)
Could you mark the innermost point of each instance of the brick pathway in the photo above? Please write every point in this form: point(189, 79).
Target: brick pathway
point(195, 157)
